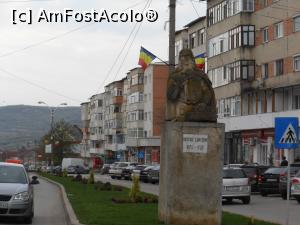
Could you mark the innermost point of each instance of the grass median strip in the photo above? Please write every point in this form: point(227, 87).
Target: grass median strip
point(94, 207)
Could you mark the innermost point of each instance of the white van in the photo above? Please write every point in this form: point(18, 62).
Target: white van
point(71, 162)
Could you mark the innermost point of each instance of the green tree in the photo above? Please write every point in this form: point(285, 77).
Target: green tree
point(63, 136)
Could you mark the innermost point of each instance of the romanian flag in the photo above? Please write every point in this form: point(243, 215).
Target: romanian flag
point(146, 58)
point(200, 61)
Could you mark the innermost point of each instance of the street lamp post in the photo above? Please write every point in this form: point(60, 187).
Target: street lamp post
point(52, 111)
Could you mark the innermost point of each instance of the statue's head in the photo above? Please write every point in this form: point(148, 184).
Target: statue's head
point(186, 59)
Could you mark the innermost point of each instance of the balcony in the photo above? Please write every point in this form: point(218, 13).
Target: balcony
point(257, 121)
point(115, 147)
point(143, 142)
point(96, 151)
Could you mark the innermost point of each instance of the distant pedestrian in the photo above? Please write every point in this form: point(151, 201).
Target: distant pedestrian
point(284, 162)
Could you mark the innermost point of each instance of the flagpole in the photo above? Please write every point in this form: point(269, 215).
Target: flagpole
point(163, 61)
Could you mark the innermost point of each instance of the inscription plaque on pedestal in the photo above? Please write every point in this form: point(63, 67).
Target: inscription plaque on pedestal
point(195, 143)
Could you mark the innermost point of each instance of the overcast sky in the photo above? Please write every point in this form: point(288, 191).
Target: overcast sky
point(68, 62)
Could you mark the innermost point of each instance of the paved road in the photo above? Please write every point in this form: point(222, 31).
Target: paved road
point(48, 206)
point(265, 208)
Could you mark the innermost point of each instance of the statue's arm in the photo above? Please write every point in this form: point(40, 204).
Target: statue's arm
point(173, 90)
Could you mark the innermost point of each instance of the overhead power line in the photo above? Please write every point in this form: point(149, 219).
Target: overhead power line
point(57, 36)
point(122, 49)
point(38, 86)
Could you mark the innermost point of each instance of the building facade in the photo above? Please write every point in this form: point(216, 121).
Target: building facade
point(123, 123)
point(253, 63)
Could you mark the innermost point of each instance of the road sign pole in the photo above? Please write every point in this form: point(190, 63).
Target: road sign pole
point(288, 188)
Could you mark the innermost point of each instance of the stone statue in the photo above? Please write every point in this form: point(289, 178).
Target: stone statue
point(190, 96)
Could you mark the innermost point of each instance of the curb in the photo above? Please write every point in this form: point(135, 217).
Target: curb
point(71, 216)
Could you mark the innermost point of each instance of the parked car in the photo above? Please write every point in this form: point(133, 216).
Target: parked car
point(153, 175)
point(254, 173)
point(137, 170)
point(269, 183)
point(127, 171)
point(236, 185)
point(49, 169)
point(105, 168)
point(77, 170)
point(119, 170)
point(57, 169)
point(294, 168)
point(16, 192)
point(66, 162)
point(295, 190)
point(144, 173)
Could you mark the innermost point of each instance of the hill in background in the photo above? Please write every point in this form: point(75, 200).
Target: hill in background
point(22, 125)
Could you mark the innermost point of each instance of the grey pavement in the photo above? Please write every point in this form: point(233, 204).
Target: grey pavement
point(48, 206)
point(271, 208)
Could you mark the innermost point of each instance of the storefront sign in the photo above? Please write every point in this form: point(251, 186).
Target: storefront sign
point(141, 155)
point(195, 143)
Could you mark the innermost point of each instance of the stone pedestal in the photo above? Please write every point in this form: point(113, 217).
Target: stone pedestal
point(191, 173)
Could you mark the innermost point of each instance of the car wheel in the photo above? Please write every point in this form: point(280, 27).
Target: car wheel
point(298, 199)
point(229, 200)
point(112, 177)
point(263, 193)
point(246, 200)
point(126, 178)
point(28, 220)
point(119, 178)
point(284, 195)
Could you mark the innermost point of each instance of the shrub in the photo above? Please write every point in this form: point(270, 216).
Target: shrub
point(65, 173)
point(78, 178)
point(84, 181)
point(135, 188)
point(106, 187)
point(91, 179)
point(117, 188)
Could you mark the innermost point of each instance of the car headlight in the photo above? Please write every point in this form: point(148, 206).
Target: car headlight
point(23, 196)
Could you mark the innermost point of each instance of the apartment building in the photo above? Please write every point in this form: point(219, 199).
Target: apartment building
point(192, 36)
point(85, 119)
point(145, 112)
point(114, 141)
point(253, 63)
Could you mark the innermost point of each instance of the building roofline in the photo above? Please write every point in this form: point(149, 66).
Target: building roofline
point(195, 21)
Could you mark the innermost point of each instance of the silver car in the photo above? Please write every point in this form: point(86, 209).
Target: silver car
point(16, 192)
point(295, 190)
point(235, 185)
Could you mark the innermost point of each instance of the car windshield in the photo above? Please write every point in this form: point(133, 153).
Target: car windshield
point(275, 170)
point(233, 173)
point(12, 174)
point(250, 171)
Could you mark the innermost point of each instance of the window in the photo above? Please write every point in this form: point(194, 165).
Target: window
point(297, 23)
point(141, 97)
point(221, 46)
point(265, 70)
point(119, 92)
point(296, 98)
point(100, 103)
point(248, 5)
point(297, 63)
point(178, 47)
point(248, 35)
point(247, 68)
point(278, 67)
point(141, 115)
point(265, 34)
point(264, 3)
point(201, 37)
point(279, 30)
point(193, 40)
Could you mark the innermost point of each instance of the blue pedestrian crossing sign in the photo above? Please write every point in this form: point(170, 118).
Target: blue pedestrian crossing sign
point(286, 132)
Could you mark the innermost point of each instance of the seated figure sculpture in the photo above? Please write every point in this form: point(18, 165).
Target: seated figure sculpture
point(190, 96)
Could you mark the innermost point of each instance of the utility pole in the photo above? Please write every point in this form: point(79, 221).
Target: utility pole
point(172, 25)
